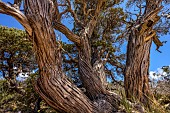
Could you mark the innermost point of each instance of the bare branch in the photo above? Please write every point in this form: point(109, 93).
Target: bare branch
point(84, 7)
point(69, 34)
point(62, 5)
point(3, 12)
point(74, 14)
point(117, 64)
point(140, 10)
point(152, 13)
point(93, 21)
point(112, 76)
point(62, 13)
point(75, 17)
point(88, 11)
point(152, 34)
point(98, 7)
point(69, 55)
point(62, 28)
point(69, 9)
point(18, 15)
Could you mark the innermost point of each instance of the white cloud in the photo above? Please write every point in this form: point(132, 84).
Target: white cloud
point(153, 76)
point(158, 74)
point(159, 70)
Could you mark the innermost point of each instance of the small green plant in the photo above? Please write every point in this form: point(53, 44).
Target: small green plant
point(125, 103)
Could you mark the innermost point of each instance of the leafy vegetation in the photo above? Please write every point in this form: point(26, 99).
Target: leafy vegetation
point(79, 77)
point(16, 56)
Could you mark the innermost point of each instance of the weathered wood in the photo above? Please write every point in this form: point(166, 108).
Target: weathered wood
point(138, 56)
point(89, 77)
point(52, 84)
point(18, 15)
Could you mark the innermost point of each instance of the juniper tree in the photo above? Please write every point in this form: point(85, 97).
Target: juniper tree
point(16, 56)
point(145, 28)
point(40, 18)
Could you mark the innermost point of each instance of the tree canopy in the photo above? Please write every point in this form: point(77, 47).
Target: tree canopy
point(72, 77)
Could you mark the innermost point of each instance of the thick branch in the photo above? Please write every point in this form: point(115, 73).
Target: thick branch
point(69, 9)
point(18, 15)
point(93, 21)
point(69, 34)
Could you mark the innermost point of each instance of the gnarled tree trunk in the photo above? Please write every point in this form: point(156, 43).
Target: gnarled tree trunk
point(99, 68)
point(52, 84)
point(136, 73)
point(94, 79)
point(88, 75)
point(138, 55)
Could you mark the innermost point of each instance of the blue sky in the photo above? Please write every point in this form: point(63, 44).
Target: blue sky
point(157, 59)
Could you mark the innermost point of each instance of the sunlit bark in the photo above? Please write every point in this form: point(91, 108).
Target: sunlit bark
point(138, 55)
point(52, 84)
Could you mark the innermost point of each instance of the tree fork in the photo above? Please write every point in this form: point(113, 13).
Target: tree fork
point(91, 81)
point(52, 85)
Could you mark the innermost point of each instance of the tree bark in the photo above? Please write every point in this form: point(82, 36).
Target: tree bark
point(91, 81)
point(99, 68)
point(138, 55)
point(137, 67)
point(52, 85)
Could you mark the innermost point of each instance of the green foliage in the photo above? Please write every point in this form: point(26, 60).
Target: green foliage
point(15, 51)
point(106, 42)
point(11, 39)
point(107, 38)
point(11, 101)
point(16, 57)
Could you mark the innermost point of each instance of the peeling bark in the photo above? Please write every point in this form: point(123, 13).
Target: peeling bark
point(136, 73)
point(52, 85)
point(89, 77)
point(98, 67)
point(138, 56)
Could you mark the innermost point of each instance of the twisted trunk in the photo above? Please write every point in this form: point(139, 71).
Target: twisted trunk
point(90, 78)
point(52, 85)
point(98, 67)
